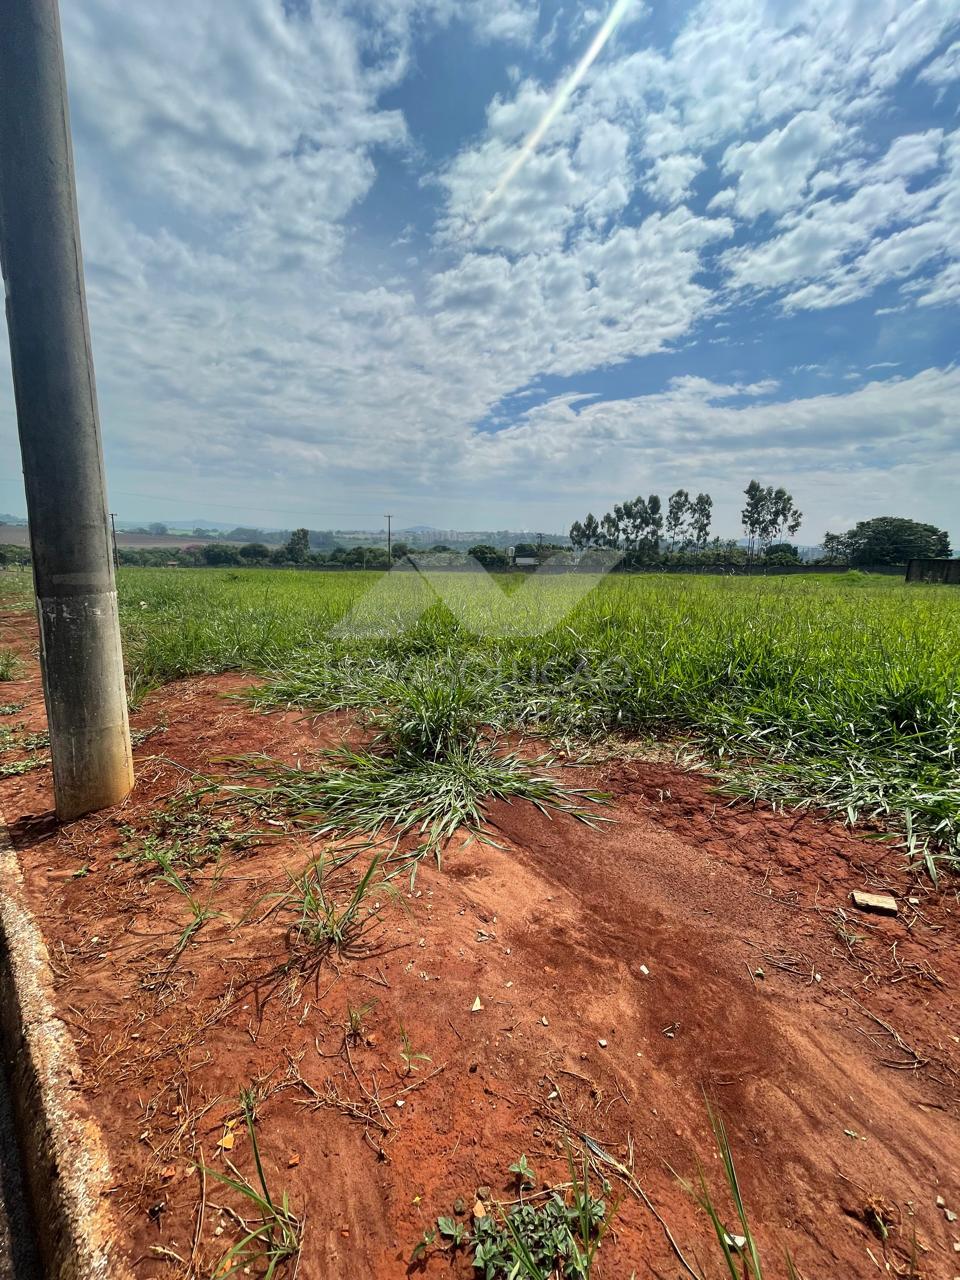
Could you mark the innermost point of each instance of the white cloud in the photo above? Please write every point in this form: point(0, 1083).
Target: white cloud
point(672, 176)
point(772, 174)
point(601, 300)
point(689, 430)
point(941, 290)
point(945, 69)
point(838, 249)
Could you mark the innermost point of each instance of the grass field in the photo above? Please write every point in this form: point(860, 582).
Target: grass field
point(842, 690)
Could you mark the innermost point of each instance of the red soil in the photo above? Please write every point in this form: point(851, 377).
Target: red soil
point(835, 1062)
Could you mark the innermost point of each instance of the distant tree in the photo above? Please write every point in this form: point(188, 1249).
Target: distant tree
point(892, 540)
point(782, 516)
point(679, 511)
point(217, 553)
point(400, 549)
point(200, 533)
point(158, 530)
point(767, 515)
point(701, 514)
point(590, 531)
point(639, 525)
point(538, 550)
point(322, 539)
point(439, 546)
point(10, 555)
point(634, 526)
point(488, 556)
point(243, 533)
point(254, 553)
point(752, 515)
point(297, 547)
point(586, 534)
point(359, 557)
point(781, 553)
point(609, 535)
point(835, 550)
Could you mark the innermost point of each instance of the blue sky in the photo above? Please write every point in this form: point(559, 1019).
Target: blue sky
point(735, 252)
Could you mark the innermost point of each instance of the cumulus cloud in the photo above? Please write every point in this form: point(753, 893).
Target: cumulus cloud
point(692, 428)
point(264, 319)
point(842, 247)
point(671, 176)
point(772, 174)
point(945, 69)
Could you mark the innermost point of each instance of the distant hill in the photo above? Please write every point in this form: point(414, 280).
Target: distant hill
point(152, 533)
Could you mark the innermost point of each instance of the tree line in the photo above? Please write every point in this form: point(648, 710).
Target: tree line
point(637, 527)
point(640, 531)
point(644, 533)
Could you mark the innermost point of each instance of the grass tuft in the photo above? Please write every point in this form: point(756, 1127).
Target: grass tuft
point(273, 1238)
point(366, 793)
point(320, 922)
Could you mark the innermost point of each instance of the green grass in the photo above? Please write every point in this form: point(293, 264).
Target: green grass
point(842, 691)
point(320, 921)
point(9, 664)
point(364, 793)
point(272, 1239)
point(737, 1246)
point(433, 766)
point(535, 1239)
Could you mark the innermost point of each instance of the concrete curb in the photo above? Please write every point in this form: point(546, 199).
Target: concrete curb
point(64, 1157)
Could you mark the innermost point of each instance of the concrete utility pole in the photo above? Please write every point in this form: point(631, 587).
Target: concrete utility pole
point(57, 416)
point(389, 520)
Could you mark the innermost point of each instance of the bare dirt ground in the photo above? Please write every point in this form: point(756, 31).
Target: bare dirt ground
point(687, 948)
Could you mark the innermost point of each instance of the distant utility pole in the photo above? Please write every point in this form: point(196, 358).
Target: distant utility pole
point(389, 542)
point(57, 417)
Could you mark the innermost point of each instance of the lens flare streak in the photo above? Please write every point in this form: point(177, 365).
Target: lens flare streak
point(560, 100)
